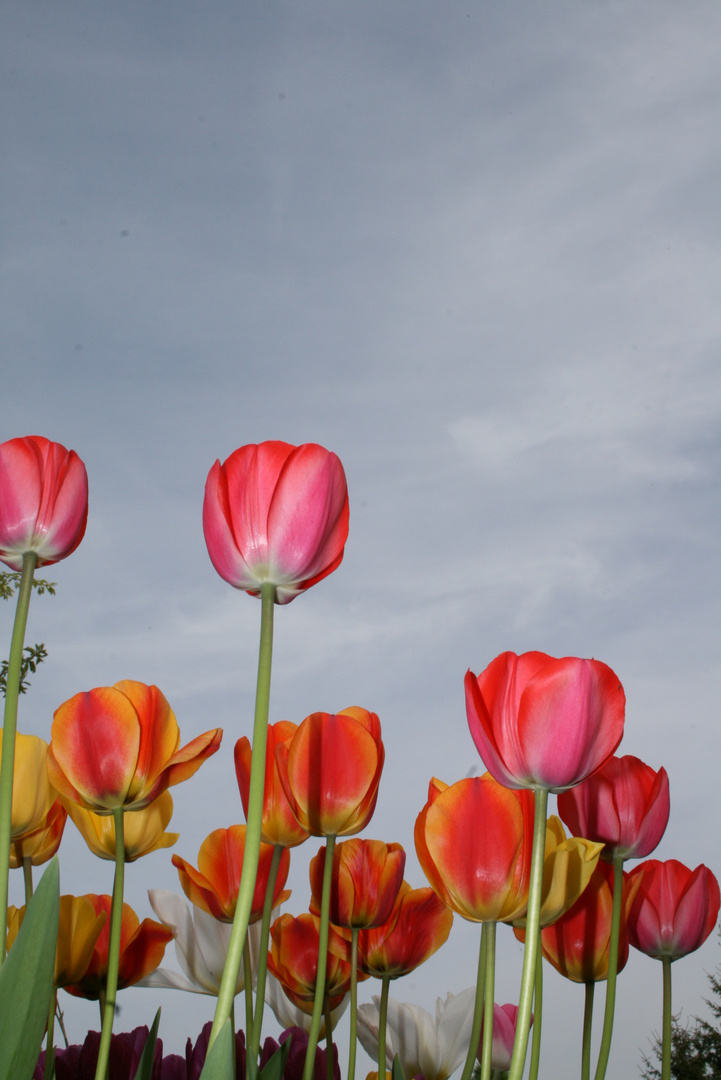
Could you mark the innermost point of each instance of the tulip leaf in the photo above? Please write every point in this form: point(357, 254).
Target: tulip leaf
point(397, 1073)
point(26, 981)
point(275, 1065)
point(220, 1059)
point(147, 1058)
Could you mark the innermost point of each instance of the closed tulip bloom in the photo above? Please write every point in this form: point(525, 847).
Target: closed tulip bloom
point(539, 722)
point(118, 746)
point(293, 960)
point(214, 885)
point(141, 949)
point(290, 1015)
point(674, 910)
point(432, 1047)
point(419, 924)
point(143, 830)
point(331, 770)
point(279, 823)
point(42, 843)
point(276, 513)
point(504, 1035)
point(79, 928)
point(43, 501)
point(33, 795)
point(367, 876)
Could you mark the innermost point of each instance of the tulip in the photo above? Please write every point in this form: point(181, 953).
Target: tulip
point(141, 949)
point(279, 823)
point(544, 723)
point(79, 928)
point(143, 830)
point(290, 1015)
point(674, 910)
point(42, 843)
point(43, 501)
point(79, 1062)
point(331, 770)
point(433, 1047)
point(625, 805)
point(118, 747)
point(276, 513)
point(37, 819)
point(214, 885)
point(367, 876)
point(504, 1034)
point(419, 924)
point(293, 960)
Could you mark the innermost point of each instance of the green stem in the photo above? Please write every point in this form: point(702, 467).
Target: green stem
point(533, 923)
point(49, 1042)
point(116, 922)
point(605, 1048)
point(587, 1028)
point(248, 992)
point(667, 1027)
point(489, 992)
point(27, 875)
point(537, 1017)
point(383, 1013)
point(254, 816)
point(329, 1070)
point(322, 959)
point(477, 1008)
point(7, 766)
point(355, 930)
point(263, 951)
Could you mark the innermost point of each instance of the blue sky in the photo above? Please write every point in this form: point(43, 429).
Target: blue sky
point(474, 250)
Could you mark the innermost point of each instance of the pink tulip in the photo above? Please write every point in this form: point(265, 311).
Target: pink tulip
point(504, 1033)
point(43, 501)
point(625, 805)
point(544, 723)
point(675, 909)
point(276, 513)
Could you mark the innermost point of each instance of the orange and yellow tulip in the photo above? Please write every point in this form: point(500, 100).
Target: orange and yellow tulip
point(279, 823)
point(118, 746)
point(419, 924)
point(367, 876)
point(143, 830)
point(293, 960)
point(79, 928)
point(214, 885)
point(37, 819)
point(331, 770)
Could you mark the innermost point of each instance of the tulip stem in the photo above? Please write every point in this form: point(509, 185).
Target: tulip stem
point(7, 766)
point(614, 935)
point(537, 1017)
point(533, 923)
point(116, 922)
point(49, 1071)
point(382, 1016)
point(27, 876)
point(667, 1026)
point(254, 816)
point(278, 850)
point(355, 931)
point(248, 991)
point(477, 1008)
point(489, 990)
point(328, 1015)
point(322, 959)
point(587, 1028)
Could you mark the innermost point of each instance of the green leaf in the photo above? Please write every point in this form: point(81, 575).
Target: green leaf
point(220, 1059)
point(26, 981)
point(274, 1066)
point(147, 1058)
point(397, 1073)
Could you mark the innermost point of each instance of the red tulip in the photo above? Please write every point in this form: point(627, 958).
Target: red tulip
point(214, 885)
point(625, 805)
point(367, 876)
point(279, 823)
point(43, 501)
point(675, 909)
point(419, 924)
point(118, 746)
point(276, 513)
point(539, 722)
point(293, 960)
point(142, 946)
point(331, 770)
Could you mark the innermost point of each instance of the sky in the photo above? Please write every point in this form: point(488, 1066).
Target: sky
point(471, 248)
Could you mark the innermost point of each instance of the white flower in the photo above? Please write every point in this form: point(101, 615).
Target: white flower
point(201, 944)
point(434, 1048)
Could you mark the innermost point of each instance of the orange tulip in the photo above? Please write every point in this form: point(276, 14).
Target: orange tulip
point(331, 770)
point(42, 843)
point(143, 830)
point(118, 746)
point(419, 924)
point(141, 949)
point(293, 960)
point(79, 928)
point(37, 819)
point(279, 823)
point(367, 876)
point(214, 885)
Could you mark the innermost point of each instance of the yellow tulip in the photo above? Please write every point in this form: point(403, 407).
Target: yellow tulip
point(568, 865)
point(41, 844)
point(32, 794)
point(78, 931)
point(143, 830)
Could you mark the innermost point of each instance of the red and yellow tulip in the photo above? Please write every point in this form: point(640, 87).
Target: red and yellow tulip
point(279, 823)
point(367, 876)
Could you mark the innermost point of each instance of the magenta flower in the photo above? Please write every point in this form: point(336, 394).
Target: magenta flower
point(675, 909)
point(504, 1034)
point(43, 501)
point(540, 722)
point(625, 805)
point(276, 513)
